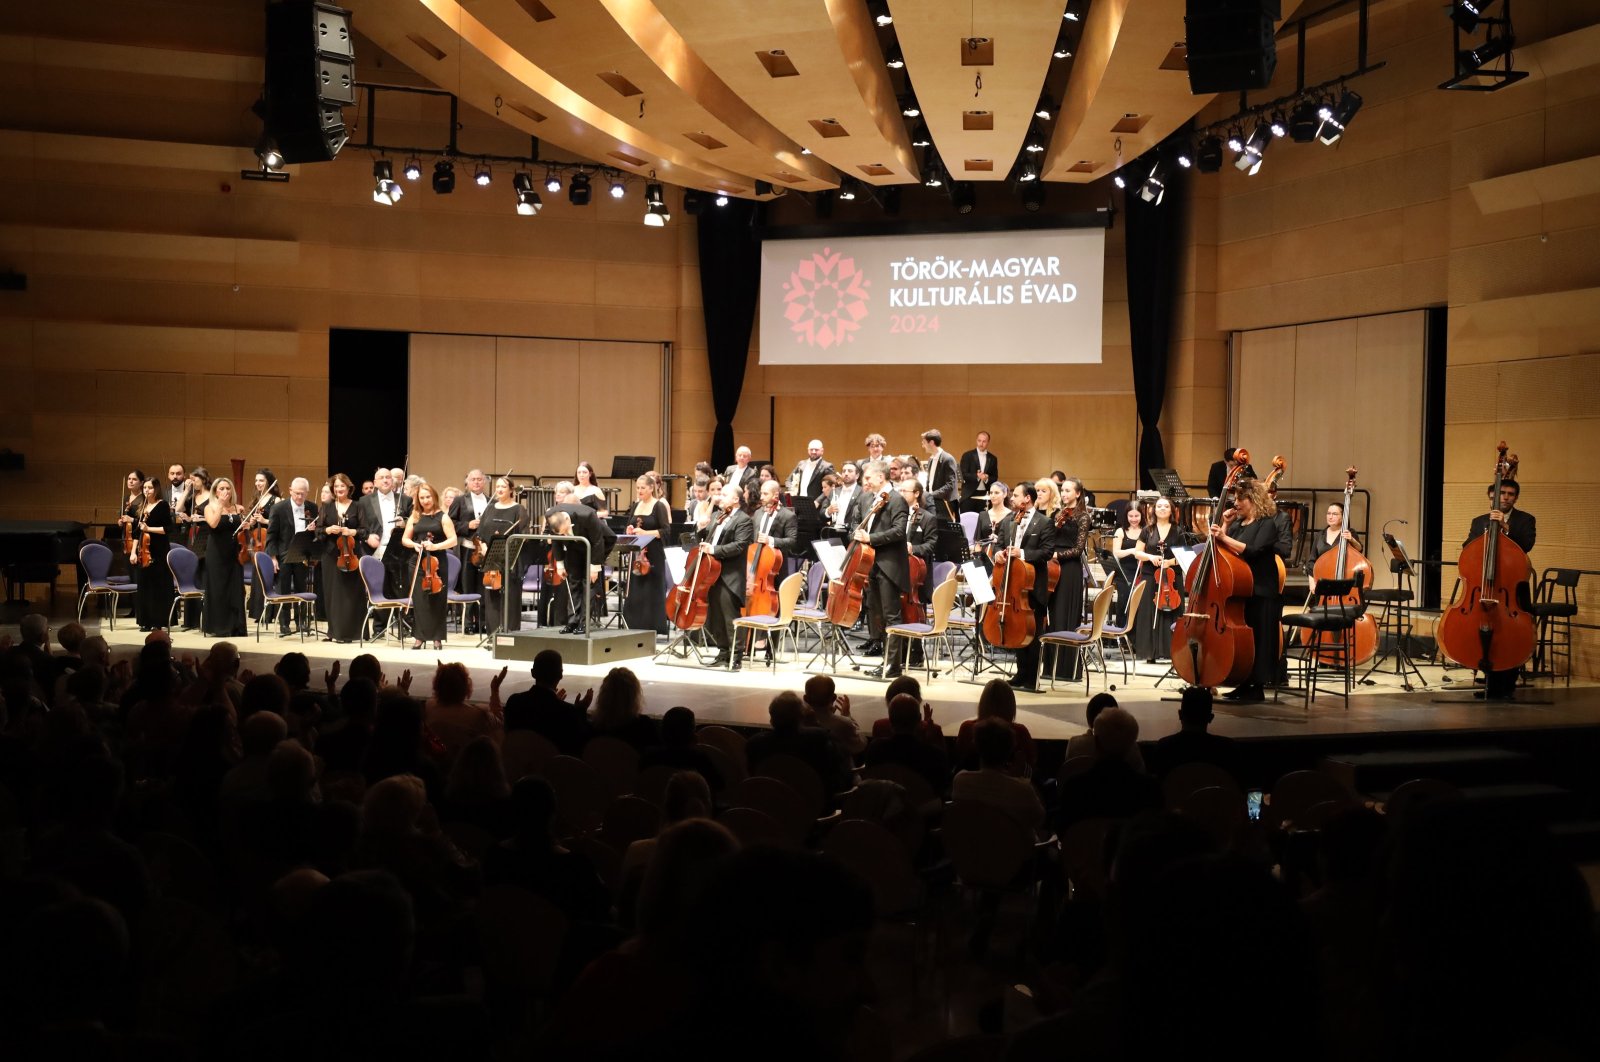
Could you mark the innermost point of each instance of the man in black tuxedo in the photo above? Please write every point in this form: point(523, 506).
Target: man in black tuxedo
point(381, 518)
point(466, 512)
point(885, 532)
point(979, 468)
point(289, 518)
point(842, 499)
point(943, 495)
point(1219, 473)
point(742, 473)
point(775, 524)
point(586, 524)
point(806, 479)
point(727, 538)
point(1028, 533)
point(1522, 529)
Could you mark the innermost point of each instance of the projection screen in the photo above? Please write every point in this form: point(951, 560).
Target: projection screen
point(1013, 297)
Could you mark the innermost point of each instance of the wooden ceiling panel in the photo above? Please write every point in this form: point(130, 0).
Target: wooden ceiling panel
point(934, 36)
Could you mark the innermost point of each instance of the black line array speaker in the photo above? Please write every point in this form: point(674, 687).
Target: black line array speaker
point(311, 77)
point(1230, 44)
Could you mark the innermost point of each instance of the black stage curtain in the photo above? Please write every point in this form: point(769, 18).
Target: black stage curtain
point(368, 388)
point(730, 276)
point(1154, 250)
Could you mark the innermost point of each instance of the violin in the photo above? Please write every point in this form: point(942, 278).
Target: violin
point(1211, 643)
point(845, 593)
point(139, 548)
point(494, 580)
point(1343, 562)
point(253, 539)
point(1490, 627)
point(762, 563)
point(688, 604)
point(348, 560)
point(1168, 598)
point(428, 570)
point(1009, 623)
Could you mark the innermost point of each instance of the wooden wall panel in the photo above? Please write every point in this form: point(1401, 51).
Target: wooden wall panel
point(537, 415)
point(446, 439)
point(620, 391)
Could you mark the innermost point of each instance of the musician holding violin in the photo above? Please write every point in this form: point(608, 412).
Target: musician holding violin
point(726, 539)
point(1071, 534)
point(502, 566)
point(223, 612)
point(339, 577)
point(1250, 531)
point(150, 529)
point(430, 532)
point(253, 534)
point(645, 608)
point(132, 502)
point(1029, 536)
point(1163, 602)
point(190, 518)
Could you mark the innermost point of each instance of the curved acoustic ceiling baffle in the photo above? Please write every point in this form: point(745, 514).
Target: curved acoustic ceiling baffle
point(813, 68)
point(446, 42)
point(977, 132)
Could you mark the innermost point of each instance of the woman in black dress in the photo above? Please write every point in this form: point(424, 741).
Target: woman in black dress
point(1250, 531)
point(1152, 632)
point(132, 503)
point(152, 605)
point(646, 606)
point(988, 521)
point(503, 516)
point(429, 530)
point(262, 501)
point(587, 491)
point(342, 590)
point(1125, 548)
point(192, 532)
point(223, 614)
point(1071, 534)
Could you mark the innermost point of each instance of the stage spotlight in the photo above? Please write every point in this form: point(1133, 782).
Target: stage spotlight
point(1029, 172)
point(413, 169)
point(656, 215)
point(617, 189)
point(268, 154)
point(482, 175)
point(528, 201)
point(694, 202)
point(1185, 155)
point(908, 106)
point(1033, 143)
point(1063, 48)
point(1208, 159)
point(1280, 124)
point(933, 174)
point(1476, 58)
point(963, 196)
point(1044, 109)
point(920, 137)
point(763, 188)
point(1303, 121)
point(1070, 16)
point(384, 188)
point(552, 182)
point(1466, 13)
point(1254, 148)
point(655, 194)
point(1336, 117)
point(1236, 139)
point(895, 60)
point(578, 189)
point(1032, 197)
point(444, 177)
point(1154, 187)
point(879, 10)
point(721, 200)
point(1119, 180)
point(847, 189)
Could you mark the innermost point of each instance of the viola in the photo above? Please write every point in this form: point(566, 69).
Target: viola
point(688, 604)
point(1343, 562)
point(1008, 622)
point(845, 593)
point(1490, 627)
point(1168, 599)
point(762, 563)
point(1211, 643)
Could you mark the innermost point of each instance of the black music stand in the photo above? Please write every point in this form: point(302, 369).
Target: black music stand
point(1168, 482)
point(630, 468)
point(1395, 618)
point(808, 521)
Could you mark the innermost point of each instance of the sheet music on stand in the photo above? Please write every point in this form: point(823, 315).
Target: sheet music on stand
point(977, 583)
point(1168, 482)
point(831, 556)
point(677, 561)
point(300, 548)
point(1185, 557)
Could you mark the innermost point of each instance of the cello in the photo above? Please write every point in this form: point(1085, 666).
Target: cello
point(762, 563)
point(1345, 561)
point(1490, 628)
point(687, 605)
point(1008, 622)
point(1211, 643)
point(844, 593)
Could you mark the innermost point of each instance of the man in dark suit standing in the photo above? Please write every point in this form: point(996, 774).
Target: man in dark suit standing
point(806, 479)
point(586, 524)
point(1522, 529)
point(289, 518)
point(775, 525)
point(943, 496)
point(979, 468)
point(727, 538)
point(1219, 473)
point(381, 519)
point(885, 532)
point(742, 473)
point(1028, 533)
point(466, 513)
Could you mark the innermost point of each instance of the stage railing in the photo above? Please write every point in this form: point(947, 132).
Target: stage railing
point(514, 549)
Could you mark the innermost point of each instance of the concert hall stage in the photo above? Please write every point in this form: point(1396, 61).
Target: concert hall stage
point(1382, 713)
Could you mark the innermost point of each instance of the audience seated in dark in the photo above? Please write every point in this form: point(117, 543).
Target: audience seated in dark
point(65, 978)
point(687, 796)
point(678, 749)
point(398, 743)
point(997, 701)
point(619, 711)
point(545, 710)
point(831, 712)
point(927, 729)
point(531, 859)
point(477, 791)
point(1083, 744)
point(906, 747)
point(811, 745)
point(1193, 743)
point(992, 782)
point(295, 670)
point(79, 845)
point(400, 833)
point(272, 835)
point(450, 714)
point(209, 750)
point(343, 746)
point(1110, 789)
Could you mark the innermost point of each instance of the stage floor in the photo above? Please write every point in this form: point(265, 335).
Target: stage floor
point(740, 699)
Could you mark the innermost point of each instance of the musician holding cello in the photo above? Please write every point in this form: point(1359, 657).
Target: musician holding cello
point(430, 532)
point(1250, 531)
point(1028, 534)
point(885, 531)
point(727, 538)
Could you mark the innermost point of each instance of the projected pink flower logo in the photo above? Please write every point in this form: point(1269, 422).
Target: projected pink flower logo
point(826, 299)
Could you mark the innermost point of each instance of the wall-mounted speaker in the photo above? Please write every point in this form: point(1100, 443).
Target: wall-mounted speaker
point(1230, 44)
point(311, 77)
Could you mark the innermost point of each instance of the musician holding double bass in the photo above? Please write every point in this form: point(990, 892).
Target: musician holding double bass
point(727, 538)
point(1250, 530)
point(1521, 528)
point(1029, 534)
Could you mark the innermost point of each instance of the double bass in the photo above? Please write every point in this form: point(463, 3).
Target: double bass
point(1345, 561)
point(688, 603)
point(1490, 627)
point(1211, 643)
point(844, 593)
